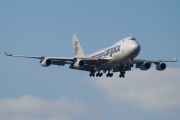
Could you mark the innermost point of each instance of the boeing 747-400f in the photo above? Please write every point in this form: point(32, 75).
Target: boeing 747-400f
point(119, 57)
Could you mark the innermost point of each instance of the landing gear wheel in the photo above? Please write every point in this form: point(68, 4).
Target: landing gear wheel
point(97, 74)
point(123, 76)
point(90, 74)
point(107, 75)
point(111, 74)
point(100, 74)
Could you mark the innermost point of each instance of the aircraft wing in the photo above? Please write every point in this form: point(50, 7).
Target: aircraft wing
point(37, 57)
point(138, 61)
point(61, 61)
point(54, 60)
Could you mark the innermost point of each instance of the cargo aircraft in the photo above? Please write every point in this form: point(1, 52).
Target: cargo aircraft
point(119, 57)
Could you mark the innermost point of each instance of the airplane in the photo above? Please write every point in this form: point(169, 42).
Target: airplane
point(119, 57)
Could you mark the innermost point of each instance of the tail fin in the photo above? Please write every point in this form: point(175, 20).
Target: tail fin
point(78, 51)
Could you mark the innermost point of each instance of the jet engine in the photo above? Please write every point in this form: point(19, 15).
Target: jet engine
point(79, 63)
point(161, 66)
point(46, 62)
point(145, 66)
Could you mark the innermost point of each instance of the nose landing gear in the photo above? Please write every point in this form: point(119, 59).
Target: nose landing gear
point(122, 74)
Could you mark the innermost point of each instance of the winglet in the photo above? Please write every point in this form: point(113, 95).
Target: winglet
point(7, 54)
point(175, 59)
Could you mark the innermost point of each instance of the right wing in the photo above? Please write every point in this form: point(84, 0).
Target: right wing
point(54, 60)
point(45, 61)
point(38, 57)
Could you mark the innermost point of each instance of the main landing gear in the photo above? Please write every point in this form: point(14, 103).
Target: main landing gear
point(92, 73)
point(109, 74)
point(98, 74)
point(122, 74)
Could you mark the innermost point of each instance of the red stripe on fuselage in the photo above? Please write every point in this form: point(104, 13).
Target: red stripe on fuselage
point(97, 55)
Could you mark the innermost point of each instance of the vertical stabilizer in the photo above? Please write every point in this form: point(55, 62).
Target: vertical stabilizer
point(78, 51)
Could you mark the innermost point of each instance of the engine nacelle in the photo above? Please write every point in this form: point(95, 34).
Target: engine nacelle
point(79, 63)
point(45, 62)
point(145, 66)
point(161, 66)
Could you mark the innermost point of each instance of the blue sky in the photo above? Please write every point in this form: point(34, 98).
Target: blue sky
point(29, 91)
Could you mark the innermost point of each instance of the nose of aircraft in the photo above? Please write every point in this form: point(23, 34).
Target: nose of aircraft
point(134, 48)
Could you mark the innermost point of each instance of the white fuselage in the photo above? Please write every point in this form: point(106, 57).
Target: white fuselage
point(120, 52)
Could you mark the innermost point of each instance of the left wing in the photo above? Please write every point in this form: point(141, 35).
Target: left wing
point(146, 64)
point(136, 61)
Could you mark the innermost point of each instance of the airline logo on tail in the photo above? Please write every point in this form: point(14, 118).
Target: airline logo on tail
point(76, 48)
point(78, 51)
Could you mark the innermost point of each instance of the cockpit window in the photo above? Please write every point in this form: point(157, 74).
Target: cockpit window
point(132, 39)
